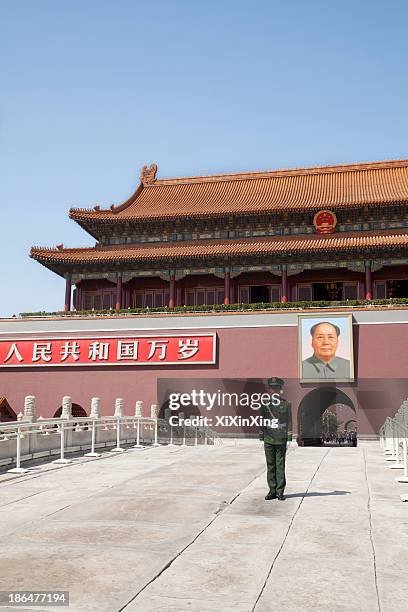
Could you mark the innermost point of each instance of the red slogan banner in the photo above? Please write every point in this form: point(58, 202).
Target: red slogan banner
point(139, 350)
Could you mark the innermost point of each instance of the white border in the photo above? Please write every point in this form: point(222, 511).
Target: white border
point(352, 378)
point(17, 366)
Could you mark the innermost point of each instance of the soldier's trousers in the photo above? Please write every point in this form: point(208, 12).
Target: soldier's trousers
point(275, 465)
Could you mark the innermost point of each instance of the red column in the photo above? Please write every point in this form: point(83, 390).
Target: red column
point(119, 292)
point(172, 291)
point(284, 291)
point(179, 299)
point(368, 284)
point(226, 287)
point(232, 292)
point(79, 298)
point(68, 285)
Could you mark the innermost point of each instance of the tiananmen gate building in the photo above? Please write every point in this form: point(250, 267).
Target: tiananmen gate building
point(325, 241)
point(327, 233)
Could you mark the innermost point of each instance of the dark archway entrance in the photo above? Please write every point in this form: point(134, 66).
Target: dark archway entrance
point(327, 402)
point(77, 411)
point(6, 412)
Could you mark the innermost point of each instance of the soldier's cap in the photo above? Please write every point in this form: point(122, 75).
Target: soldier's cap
point(275, 382)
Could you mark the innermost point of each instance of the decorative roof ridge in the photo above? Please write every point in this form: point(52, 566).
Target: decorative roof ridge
point(61, 249)
point(113, 209)
point(147, 178)
point(278, 173)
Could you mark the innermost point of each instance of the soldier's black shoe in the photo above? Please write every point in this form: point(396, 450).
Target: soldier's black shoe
point(270, 495)
point(281, 497)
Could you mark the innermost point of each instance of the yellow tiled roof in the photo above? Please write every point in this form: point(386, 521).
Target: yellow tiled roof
point(351, 242)
point(337, 187)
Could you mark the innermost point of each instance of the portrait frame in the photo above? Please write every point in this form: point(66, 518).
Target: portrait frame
point(344, 322)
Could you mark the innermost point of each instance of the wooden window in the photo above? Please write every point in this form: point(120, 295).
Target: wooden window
point(380, 290)
point(87, 301)
point(275, 293)
point(97, 301)
point(148, 299)
point(190, 295)
point(158, 299)
point(210, 297)
point(350, 291)
point(107, 299)
point(244, 295)
point(138, 299)
point(220, 296)
point(200, 297)
point(304, 293)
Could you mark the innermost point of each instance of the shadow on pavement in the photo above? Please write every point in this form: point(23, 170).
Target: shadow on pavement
point(316, 494)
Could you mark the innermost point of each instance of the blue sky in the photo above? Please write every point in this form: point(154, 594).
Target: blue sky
point(92, 90)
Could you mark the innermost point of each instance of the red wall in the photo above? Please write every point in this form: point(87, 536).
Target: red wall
point(381, 358)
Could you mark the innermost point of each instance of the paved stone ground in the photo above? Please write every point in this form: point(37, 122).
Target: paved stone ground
point(174, 529)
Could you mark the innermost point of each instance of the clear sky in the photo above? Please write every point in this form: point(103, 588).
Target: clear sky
point(92, 90)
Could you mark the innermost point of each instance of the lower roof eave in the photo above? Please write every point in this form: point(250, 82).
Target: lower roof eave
point(68, 268)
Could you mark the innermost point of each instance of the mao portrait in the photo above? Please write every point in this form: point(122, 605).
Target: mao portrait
point(326, 348)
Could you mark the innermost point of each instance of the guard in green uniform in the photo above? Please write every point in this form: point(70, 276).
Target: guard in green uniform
point(275, 437)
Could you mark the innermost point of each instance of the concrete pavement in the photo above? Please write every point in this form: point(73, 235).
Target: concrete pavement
point(174, 529)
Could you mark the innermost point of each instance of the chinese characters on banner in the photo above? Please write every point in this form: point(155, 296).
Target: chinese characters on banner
point(140, 350)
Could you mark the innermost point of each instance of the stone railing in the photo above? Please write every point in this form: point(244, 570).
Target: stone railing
point(30, 438)
point(394, 442)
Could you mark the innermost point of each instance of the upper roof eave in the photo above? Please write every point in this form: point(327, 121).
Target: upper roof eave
point(86, 219)
point(343, 186)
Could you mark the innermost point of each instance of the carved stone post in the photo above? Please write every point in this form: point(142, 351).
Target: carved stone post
point(154, 413)
point(66, 412)
point(139, 409)
point(95, 405)
point(29, 408)
point(118, 407)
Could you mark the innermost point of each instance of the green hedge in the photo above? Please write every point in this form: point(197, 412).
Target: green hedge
point(227, 307)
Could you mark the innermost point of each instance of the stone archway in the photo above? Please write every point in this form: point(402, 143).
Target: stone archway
point(77, 411)
point(6, 412)
point(349, 424)
point(311, 409)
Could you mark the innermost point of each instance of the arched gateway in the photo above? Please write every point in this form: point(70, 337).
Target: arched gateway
point(77, 411)
point(311, 409)
point(6, 411)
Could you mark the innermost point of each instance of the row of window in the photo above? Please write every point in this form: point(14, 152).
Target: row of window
point(98, 300)
point(247, 294)
point(334, 291)
point(106, 299)
point(337, 291)
point(200, 296)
